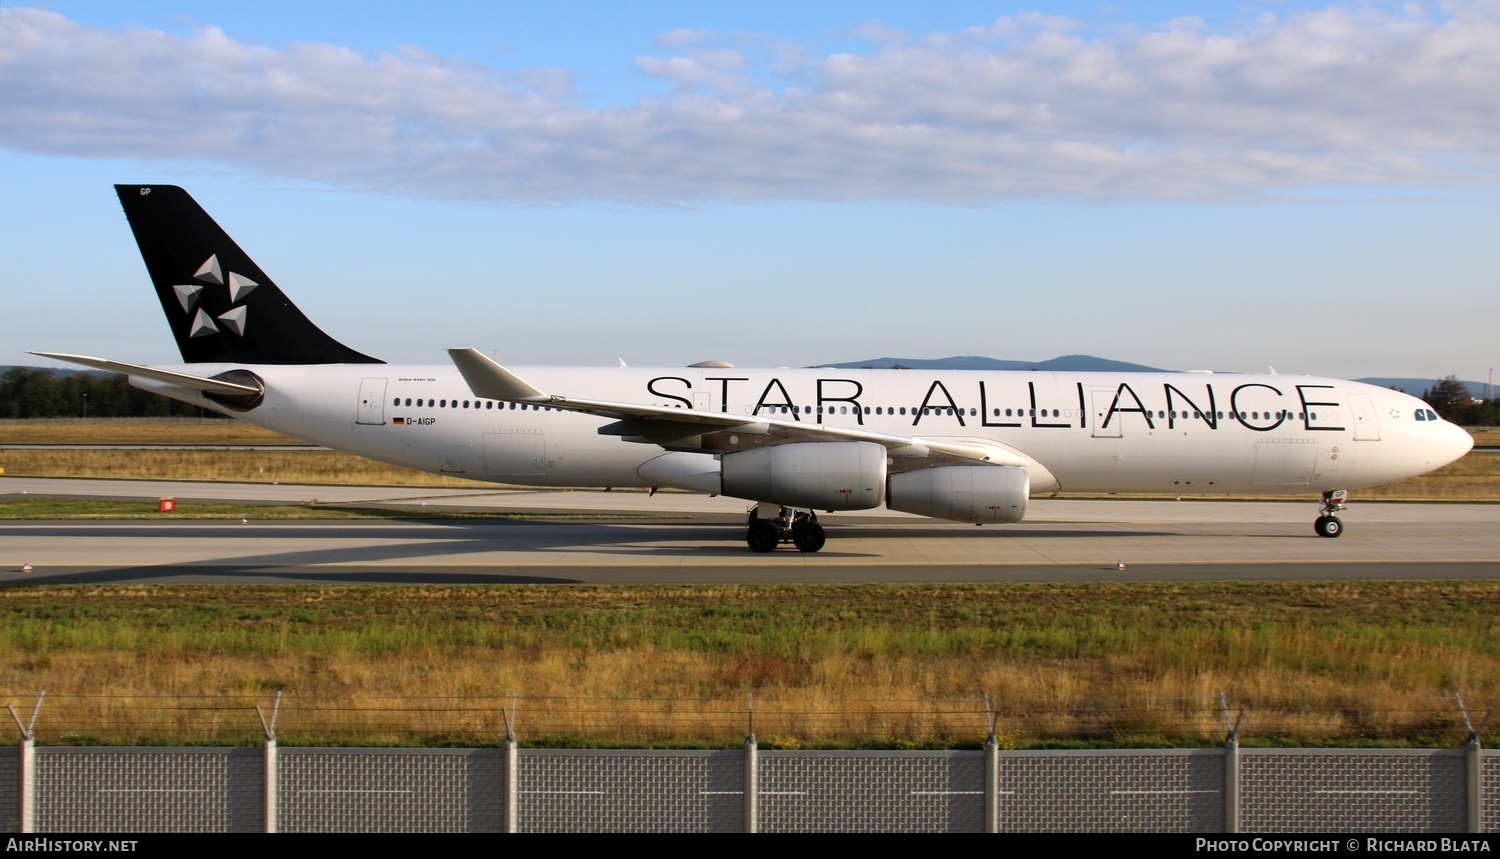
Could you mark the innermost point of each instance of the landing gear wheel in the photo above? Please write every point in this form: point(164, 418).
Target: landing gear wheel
point(808, 536)
point(762, 536)
point(1328, 526)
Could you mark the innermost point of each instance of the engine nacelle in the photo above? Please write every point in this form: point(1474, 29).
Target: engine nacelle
point(963, 493)
point(836, 475)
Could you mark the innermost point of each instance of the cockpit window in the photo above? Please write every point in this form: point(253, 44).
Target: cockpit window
point(1421, 414)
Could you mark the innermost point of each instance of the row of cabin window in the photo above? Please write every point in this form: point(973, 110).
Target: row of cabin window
point(454, 404)
point(930, 410)
point(1033, 413)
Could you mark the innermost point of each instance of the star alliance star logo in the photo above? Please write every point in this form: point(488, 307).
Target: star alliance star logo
point(210, 272)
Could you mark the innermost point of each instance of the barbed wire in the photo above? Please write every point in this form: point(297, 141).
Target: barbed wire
point(123, 719)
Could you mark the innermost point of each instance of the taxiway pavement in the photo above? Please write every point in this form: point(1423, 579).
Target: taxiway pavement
point(631, 538)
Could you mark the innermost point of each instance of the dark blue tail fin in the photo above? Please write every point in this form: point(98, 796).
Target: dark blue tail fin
point(222, 308)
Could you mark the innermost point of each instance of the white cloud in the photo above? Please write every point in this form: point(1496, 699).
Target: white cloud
point(1029, 106)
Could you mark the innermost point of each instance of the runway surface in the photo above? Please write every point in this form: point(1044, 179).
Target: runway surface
point(630, 538)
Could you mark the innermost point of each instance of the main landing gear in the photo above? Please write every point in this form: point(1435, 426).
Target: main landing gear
point(785, 525)
point(1327, 524)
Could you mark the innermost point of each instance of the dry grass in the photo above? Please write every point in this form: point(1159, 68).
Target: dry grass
point(1485, 436)
point(137, 431)
point(239, 466)
point(1476, 477)
point(827, 665)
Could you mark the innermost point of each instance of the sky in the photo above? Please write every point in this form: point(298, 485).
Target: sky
point(1307, 186)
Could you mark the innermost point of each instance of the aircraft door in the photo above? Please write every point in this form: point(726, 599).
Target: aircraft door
point(1366, 424)
point(371, 406)
point(1103, 400)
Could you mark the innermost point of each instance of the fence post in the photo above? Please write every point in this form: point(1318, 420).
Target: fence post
point(1231, 766)
point(752, 769)
point(991, 772)
point(991, 785)
point(509, 790)
point(1476, 784)
point(28, 785)
point(28, 766)
point(752, 784)
point(268, 765)
point(1475, 761)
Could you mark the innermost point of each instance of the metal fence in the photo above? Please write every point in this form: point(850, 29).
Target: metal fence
point(73, 789)
point(774, 787)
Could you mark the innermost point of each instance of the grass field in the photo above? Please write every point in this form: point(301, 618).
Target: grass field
point(898, 666)
point(137, 431)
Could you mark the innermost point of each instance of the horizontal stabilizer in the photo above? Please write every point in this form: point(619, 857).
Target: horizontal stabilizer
point(182, 380)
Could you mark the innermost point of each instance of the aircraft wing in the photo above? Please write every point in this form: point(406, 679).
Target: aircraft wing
point(666, 426)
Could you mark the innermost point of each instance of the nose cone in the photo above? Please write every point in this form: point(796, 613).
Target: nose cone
point(1451, 443)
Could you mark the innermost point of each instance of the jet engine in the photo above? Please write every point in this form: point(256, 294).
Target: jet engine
point(838, 475)
point(963, 493)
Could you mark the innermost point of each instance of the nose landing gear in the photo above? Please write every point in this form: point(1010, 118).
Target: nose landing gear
point(798, 527)
point(1327, 524)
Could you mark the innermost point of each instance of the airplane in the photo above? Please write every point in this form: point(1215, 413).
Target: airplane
point(965, 446)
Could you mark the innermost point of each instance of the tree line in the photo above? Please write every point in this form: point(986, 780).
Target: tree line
point(30, 392)
point(1451, 398)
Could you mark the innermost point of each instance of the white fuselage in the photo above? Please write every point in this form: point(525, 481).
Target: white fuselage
point(1078, 432)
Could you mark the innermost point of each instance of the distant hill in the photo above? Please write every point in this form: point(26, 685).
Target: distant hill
point(1092, 364)
point(1415, 387)
point(1067, 363)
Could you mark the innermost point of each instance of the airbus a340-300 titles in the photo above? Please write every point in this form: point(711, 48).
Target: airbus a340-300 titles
point(963, 446)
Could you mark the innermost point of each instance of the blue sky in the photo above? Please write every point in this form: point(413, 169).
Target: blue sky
point(1310, 186)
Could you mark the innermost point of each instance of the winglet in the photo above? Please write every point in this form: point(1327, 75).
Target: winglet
point(492, 381)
